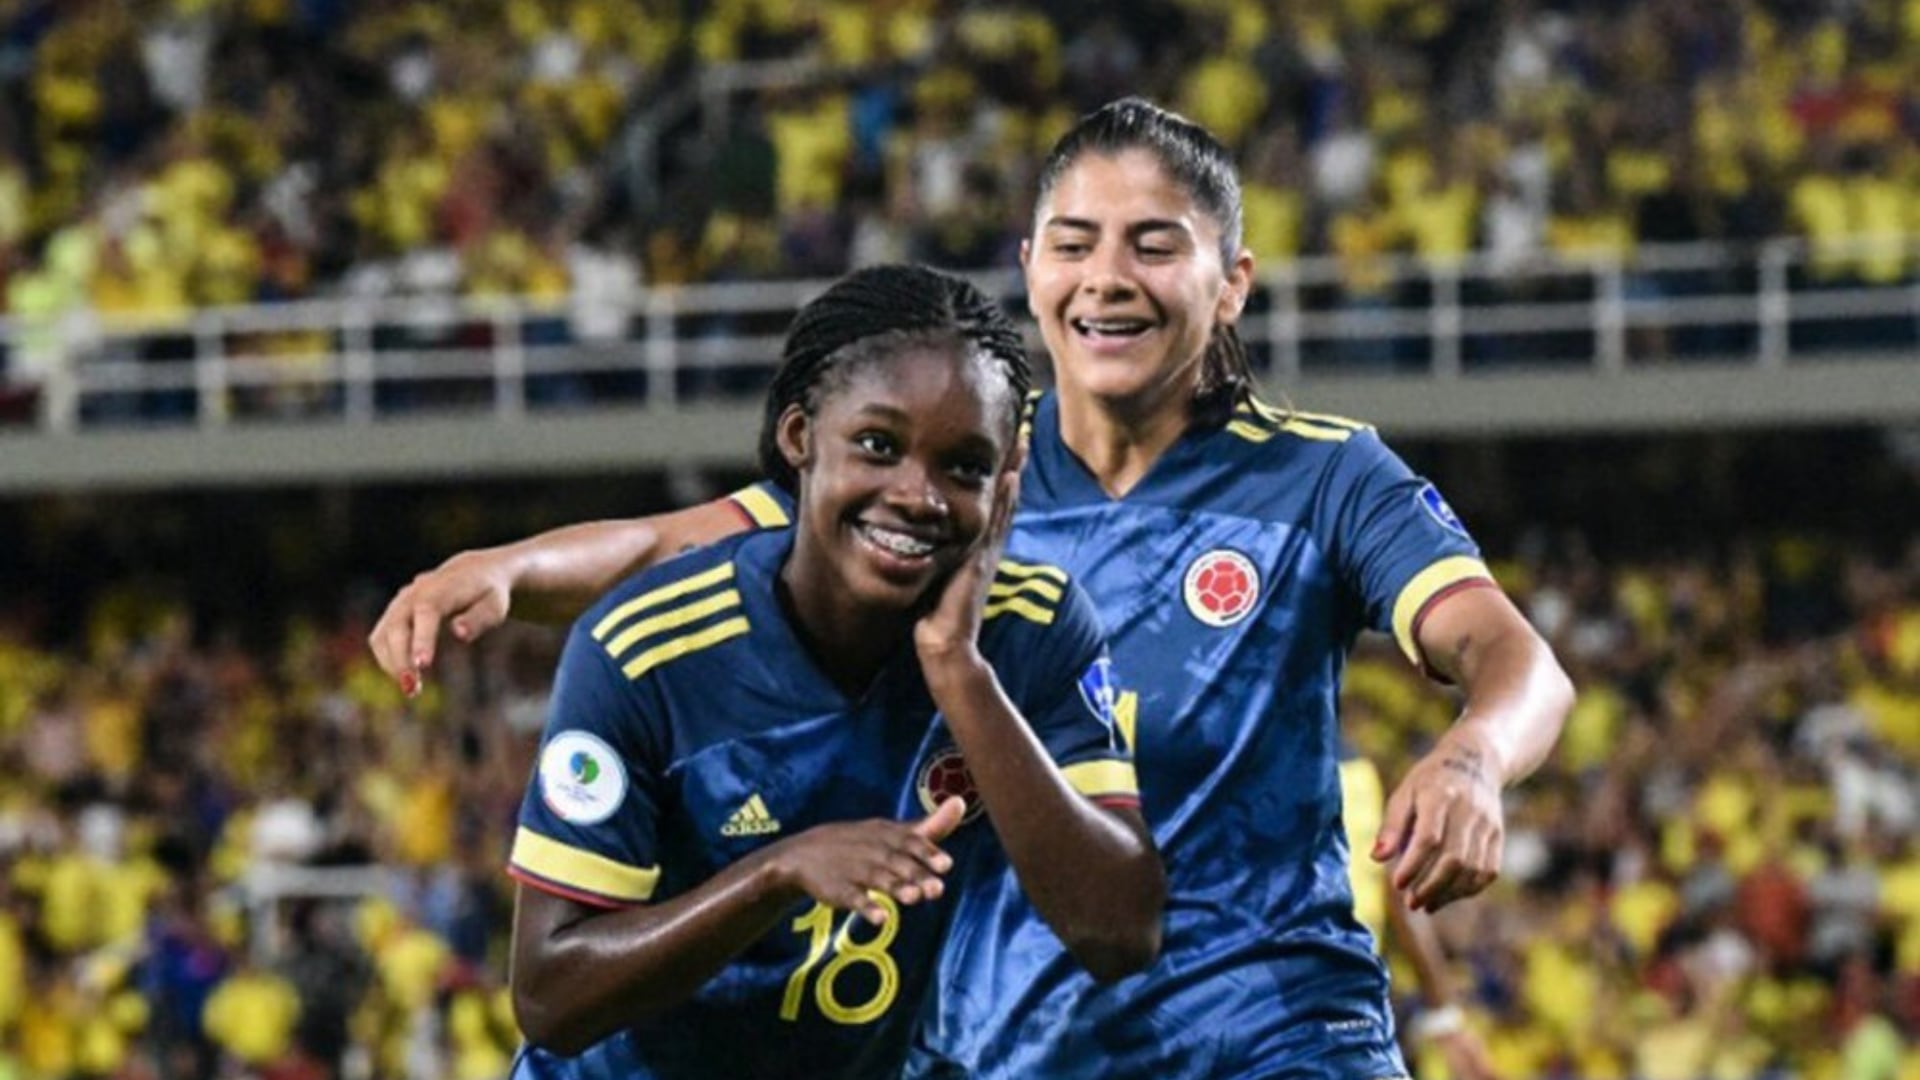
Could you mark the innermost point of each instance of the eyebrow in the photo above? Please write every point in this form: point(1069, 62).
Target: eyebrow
point(1135, 229)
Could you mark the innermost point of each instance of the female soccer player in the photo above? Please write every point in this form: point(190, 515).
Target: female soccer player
point(1234, 549)
point(736, 738)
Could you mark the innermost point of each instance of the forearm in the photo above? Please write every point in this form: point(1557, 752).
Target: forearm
point(560, 573)
point(577, 979)
point(1094, 877)
point(1517, 697)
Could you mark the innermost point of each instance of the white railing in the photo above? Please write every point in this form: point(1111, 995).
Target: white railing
point(356, 360)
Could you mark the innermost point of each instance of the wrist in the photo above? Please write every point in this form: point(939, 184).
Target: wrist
point(1474, 736)
point(954, 667)
point(1438, 1023)
point(775, 876)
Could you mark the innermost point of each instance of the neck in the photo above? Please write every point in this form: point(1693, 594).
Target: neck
point(1119, 439)
point(848, 641)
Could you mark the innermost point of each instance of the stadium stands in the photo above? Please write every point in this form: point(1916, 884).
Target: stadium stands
point(400, 207)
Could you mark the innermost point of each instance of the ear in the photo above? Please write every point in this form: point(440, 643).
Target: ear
point(1026, 274)
point(1017, 457)
point(793, 434)
point(1233, 298)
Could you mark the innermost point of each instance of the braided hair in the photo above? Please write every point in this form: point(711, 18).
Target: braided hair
point(1204, 168)
point(869, 315)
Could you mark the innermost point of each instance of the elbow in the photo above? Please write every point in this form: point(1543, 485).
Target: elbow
point(1560, 692)
point(545, 1023)
point(1112, 956)
point(1127, 940)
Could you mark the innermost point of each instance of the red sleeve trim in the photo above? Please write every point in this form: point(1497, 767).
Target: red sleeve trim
point(1121, 802)
point(529, 878)
point(1433, 602)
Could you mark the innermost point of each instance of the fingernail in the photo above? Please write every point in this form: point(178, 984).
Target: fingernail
point(420, 660)
point(409, 683)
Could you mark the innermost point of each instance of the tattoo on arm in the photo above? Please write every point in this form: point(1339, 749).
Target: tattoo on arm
point(1467, 763)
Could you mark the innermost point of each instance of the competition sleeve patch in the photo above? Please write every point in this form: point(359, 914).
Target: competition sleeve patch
point(1418, 596)
point(578, 874)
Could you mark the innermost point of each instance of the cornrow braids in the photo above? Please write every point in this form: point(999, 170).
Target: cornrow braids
point(1204, 168)
point(867, 315)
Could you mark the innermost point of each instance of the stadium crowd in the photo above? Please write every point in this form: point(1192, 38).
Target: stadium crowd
point(1718, 875)
point(162, 155)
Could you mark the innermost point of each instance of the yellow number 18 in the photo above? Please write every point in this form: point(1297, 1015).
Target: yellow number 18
point(818, 922)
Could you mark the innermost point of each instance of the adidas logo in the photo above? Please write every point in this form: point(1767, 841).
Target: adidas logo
point(752, 819)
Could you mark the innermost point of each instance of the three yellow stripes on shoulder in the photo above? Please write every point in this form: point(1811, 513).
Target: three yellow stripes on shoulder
point(674, 620)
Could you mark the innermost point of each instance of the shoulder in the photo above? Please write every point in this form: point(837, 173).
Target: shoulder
point(685, 605)
point(1031, 604)
point(764, 504)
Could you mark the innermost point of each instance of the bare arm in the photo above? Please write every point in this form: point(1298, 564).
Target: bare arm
point(555, 575)
point(579, 973)
point(1444, 823)
point(1092, 872)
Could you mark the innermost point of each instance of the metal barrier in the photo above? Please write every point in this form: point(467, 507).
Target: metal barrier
point(350, 361)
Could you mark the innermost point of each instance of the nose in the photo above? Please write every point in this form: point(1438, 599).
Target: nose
point(915, 493)
point(1108, 273)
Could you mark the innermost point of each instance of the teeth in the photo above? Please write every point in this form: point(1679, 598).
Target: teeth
point(1112, 326)
point(897, 542)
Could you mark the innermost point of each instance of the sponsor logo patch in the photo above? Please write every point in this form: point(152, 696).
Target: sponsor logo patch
point(582, 780)
point(752, 819)
point(1221, 587)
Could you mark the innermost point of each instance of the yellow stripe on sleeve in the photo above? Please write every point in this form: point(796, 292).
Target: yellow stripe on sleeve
point(1316, 432)
point(660, 596)
point(1424, 587)
point(574, 868)
point(1015, 605)
point(1249, 432)
point(1096, 778)
point(1040, 587)
point(764, 509)
point(678, 647)
point(667, 620)
point(1009, 568)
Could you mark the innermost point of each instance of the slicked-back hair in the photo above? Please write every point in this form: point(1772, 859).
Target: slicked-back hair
point(872, 314)
point(1204, 169)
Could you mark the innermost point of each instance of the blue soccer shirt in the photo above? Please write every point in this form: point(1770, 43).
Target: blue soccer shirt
point(1232, 579)
point(689, 727)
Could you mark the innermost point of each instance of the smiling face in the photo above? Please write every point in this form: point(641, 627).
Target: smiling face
point(1126, 278)
point(896, 464)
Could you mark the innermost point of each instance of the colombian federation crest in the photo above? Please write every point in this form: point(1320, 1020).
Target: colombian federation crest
point(1221, 587)
point(582, 780)
point(944, 776)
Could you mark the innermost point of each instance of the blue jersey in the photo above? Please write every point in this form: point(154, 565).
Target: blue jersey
point(1232, 579)
point(689, 728)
